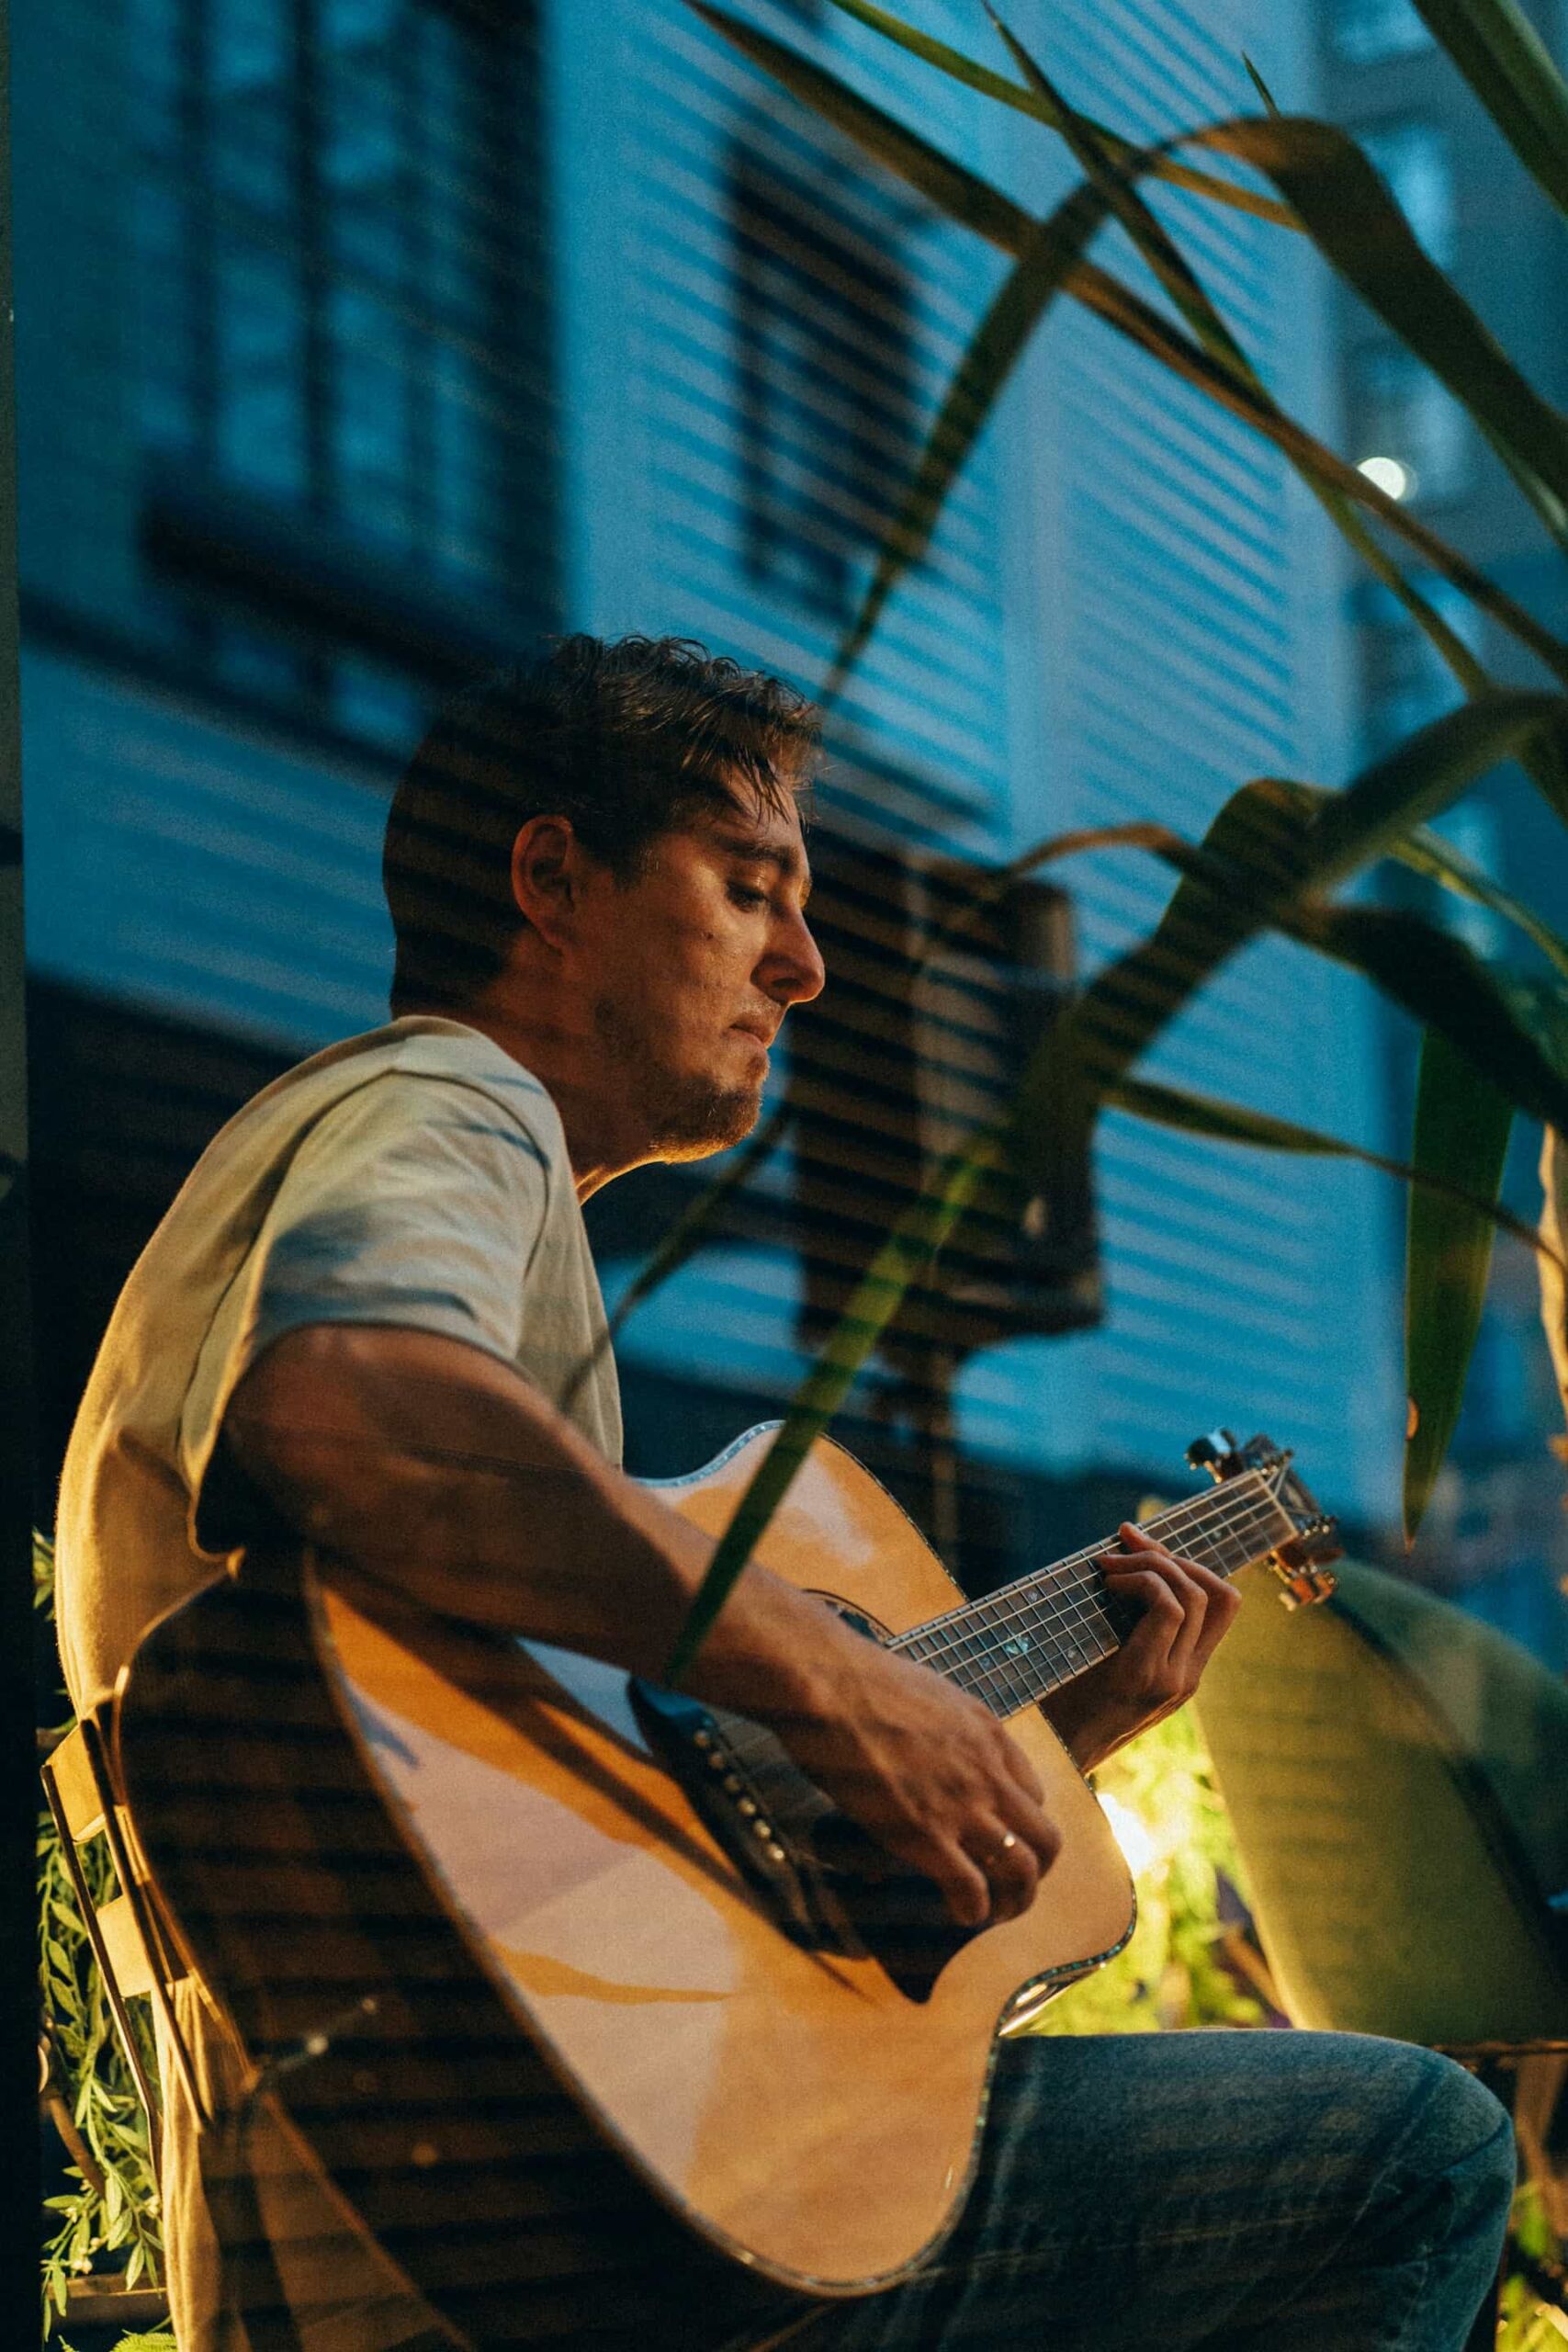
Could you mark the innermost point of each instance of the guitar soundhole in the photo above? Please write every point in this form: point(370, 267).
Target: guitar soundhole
point(825, 1883)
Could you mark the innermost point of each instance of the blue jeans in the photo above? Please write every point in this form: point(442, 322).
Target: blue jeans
point(1246, 2192)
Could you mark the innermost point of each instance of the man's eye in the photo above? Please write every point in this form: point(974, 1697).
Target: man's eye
point(746, 898)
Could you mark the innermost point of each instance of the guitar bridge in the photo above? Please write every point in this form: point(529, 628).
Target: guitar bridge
point(824, 1880)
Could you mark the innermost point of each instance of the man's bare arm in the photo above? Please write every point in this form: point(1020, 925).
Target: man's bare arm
point(437, 1471)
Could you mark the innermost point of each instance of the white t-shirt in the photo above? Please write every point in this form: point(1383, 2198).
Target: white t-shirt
point(415, 1176)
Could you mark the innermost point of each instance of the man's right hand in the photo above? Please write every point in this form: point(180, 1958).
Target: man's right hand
point(928, 1770)
point(432, 1468)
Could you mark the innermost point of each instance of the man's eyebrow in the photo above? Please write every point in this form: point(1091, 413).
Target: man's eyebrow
point(764, 852)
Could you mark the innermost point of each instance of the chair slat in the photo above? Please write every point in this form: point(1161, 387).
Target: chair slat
point(76, 1786)
point(126, 1952)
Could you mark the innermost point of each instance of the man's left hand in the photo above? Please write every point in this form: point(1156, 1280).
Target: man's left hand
point(1186, 1609)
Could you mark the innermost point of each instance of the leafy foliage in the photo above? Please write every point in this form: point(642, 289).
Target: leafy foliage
point(1174, 1971)
point(118, 2215)
point(1278, 850)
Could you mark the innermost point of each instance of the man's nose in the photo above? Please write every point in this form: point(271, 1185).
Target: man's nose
point(799, 972)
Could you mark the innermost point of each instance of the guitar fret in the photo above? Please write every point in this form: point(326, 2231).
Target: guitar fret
point(1017, 1645)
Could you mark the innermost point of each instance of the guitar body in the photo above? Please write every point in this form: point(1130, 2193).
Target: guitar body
point(343, 1802)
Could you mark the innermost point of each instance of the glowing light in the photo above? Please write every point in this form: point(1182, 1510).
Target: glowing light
point(1387, 474)
point(1131, 1834)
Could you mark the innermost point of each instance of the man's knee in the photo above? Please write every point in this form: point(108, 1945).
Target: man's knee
point(1463, 2129)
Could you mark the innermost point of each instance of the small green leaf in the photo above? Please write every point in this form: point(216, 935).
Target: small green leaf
point(1260, 85)
point(1463, 1125)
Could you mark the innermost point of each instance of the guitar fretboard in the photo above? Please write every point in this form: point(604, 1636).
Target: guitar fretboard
point(1019, 1645)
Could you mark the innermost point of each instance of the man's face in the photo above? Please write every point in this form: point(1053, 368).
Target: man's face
point(697, 959)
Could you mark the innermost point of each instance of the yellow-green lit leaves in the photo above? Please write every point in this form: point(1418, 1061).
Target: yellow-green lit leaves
point(1507, 64)
point(1463, 1123)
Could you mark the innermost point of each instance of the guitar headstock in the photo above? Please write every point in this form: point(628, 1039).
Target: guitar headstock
point(1301, 1559)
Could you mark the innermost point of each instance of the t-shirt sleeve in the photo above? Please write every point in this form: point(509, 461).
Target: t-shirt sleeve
point(414, 1200)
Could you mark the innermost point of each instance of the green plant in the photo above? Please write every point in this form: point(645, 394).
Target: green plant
point(1280, 850)
point(113, 2207)
point(159, 2340)
point(1175, 1971)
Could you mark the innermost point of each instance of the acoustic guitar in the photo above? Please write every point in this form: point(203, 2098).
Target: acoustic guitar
point(432, 1878)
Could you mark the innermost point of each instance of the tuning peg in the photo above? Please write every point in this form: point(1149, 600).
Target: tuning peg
point(1304, 1588)
point(1214, 1452)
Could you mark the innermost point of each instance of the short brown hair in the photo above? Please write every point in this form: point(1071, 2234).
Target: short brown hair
point(627, 737)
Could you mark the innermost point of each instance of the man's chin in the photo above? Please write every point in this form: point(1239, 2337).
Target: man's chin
point(708, 1119)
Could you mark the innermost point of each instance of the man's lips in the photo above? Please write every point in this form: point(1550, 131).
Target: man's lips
point(762, 1032)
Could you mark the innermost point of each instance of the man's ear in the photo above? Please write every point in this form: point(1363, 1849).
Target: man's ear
point(546, 877)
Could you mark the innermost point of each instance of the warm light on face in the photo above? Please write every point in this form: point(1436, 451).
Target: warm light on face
point(1131, 1834)
point(1388, 475)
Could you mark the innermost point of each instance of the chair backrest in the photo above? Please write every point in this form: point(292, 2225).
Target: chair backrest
point(120, 1927)
point(1387, 1763)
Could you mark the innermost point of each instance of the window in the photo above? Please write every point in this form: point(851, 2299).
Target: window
point(1398, 408)
point(1405, 679)
point(340, 279)
point(1412, 158)
point(823, 357)
point(1363, 32)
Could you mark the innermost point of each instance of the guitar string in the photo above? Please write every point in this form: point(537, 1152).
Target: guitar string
point(972, 1619)
point(1216, 1508)
point(1075, 1638)
point(963, 1643)
point(1052, 1599)
point(1081, 1632)
point(1065, 1601)
point(1076, 1628)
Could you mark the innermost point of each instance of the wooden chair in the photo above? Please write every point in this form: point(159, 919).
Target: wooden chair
point(1386, 1761)
point(134, 1956)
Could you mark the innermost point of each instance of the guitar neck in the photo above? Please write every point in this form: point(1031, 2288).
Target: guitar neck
point(1019, 1645)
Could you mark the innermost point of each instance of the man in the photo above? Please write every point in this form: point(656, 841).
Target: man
point(371, 1317)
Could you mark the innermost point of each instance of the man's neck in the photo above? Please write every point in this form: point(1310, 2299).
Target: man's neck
point(565, 1066)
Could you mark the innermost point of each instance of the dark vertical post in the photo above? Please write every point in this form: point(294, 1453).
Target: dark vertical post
point(20, 2205)
point(19, 1770)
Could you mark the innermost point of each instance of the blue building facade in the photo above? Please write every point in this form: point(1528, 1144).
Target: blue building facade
point(361, 341)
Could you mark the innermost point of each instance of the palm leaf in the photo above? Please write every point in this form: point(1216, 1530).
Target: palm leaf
point(1427, 853)
point(971, 202)
point(1507, 65)
point(1445, 985)
point(1053, 246)
point(1273, 846)
point(1118, 182)
point(1360, 232)
point(1463, 1125)
point(975, 76)
point(1222, 1122)
point(914, 1240)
